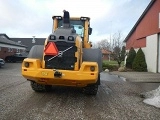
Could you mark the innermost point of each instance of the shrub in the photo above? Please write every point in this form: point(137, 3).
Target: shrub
point(139, 63)
point(122, 69)
point(130, 58)
point(109, 67)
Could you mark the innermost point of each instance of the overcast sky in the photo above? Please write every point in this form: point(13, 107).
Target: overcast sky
point(27, 18)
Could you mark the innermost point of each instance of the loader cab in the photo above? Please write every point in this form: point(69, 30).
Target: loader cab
point(80, 25)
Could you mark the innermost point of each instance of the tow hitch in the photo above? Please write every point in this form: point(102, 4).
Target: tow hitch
point(57, 74)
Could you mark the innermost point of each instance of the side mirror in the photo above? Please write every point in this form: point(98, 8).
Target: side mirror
point(90, 31)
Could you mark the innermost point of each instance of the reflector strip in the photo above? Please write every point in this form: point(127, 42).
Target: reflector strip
point(51, 49)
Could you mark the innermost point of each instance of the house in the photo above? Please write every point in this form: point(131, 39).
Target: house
point(146, 35)
point(106, 54)
point(9, 47)
point(29, 42)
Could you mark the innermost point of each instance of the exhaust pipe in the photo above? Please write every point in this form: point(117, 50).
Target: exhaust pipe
point(66, 19)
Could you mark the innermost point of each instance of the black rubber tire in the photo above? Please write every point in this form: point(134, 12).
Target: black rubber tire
point(36, 52)
point(37, 87)
point(98, 81)
point(91, 89)
point(48, 88)
point(93, 55)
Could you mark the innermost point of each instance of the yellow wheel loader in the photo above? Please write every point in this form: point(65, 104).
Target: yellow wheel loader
point(66, 58)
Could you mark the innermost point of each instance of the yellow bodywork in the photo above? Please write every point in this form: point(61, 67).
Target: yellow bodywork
point(80, 78)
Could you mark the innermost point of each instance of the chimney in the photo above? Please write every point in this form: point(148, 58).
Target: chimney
point(34, 39)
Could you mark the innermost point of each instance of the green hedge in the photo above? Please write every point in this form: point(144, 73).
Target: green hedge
point(130, 58)
point(109, 67)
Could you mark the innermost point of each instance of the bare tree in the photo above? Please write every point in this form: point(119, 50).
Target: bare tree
point(117, 47)
point(94, 45)
point(103, 44)
point(116, 40)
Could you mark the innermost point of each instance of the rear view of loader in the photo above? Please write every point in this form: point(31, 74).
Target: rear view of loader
point(66, 58)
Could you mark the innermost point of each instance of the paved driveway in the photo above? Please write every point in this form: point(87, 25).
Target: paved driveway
point(138, 76)
point(116, 100)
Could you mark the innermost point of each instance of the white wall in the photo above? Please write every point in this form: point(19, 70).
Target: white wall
point(151, 53)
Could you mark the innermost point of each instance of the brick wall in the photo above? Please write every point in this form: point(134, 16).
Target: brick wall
point(7, 51)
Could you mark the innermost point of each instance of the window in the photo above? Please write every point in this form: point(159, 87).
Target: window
point(24, 50)
point(18, 50)
point(79, 29)
point(10, 49)
point(76, 24)
point(19, 42)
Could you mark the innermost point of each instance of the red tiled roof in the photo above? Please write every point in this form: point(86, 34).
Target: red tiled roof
point(105, 51)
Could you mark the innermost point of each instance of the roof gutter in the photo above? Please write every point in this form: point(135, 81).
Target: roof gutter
point(14, 44)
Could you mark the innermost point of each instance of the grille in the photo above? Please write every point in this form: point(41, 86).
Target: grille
point(66, 61)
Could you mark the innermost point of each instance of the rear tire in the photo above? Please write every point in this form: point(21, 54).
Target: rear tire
point(36, 52)
point(40, 88)
point(37, 87)
point(96, 57)
point(98, 81)
point(93, 55)
point(48, 88)
point(91, 89)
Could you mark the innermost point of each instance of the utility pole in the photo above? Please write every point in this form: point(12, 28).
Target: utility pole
point(110, 41)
